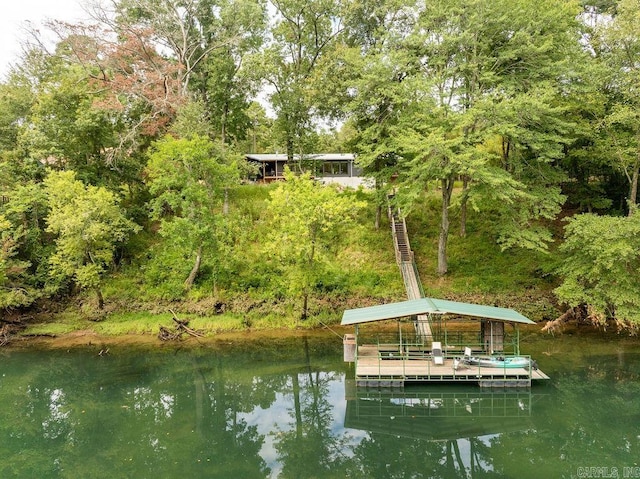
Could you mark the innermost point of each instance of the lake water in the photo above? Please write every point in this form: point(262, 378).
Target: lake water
point(287, 409)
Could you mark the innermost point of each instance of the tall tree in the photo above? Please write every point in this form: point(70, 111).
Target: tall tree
point(369, 72)
point(173, 24)
point(617, 44)
point(223, 80)
point(303, 31)
point(88, 224)
point(187, 178)
point(131, 82)
point(487, 69)
point(208, 41)
point(307, 220)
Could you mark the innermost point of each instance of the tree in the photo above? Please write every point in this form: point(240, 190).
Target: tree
point(617, 44)
point(483, 70)
point(187, 178)
point(370, 73)
point(173, 25)
point(600, 268)
point(64, 128)
point(307, 221)
point(88, 225)
point(23, 249)
point(303, 31)
point(128, 81)
point(16, 99)
point(207, 41)
point(223, 80)
point(13, 292)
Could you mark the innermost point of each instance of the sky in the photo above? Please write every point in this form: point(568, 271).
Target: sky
point(15, 14)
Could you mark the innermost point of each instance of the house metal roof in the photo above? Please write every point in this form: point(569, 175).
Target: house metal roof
point(430, 306)
point(315, 156)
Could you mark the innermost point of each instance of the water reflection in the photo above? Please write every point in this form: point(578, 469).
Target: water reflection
point(456, 425)
point(289, 410)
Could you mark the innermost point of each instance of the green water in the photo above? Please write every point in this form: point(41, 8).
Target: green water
point(288, 409)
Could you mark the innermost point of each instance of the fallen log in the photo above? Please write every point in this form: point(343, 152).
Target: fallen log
point(556, 324)
point(167, 335)
point(8, 332)
point(181, 328)
point(577, 313)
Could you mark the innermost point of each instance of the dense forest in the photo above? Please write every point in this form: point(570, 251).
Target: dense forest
point(508, 131)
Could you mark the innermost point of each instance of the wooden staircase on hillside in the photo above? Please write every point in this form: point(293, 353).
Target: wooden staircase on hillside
point(407, 265)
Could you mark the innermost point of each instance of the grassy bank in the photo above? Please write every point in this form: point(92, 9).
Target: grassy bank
point(242, 289)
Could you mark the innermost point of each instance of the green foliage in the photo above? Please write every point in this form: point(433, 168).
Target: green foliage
point(303, 32)
point(88, 225)
point(600, 268)
point(16, 99)
point(504, 97)
point(24, 251)
point(11, 295)
point(617, 44)
point(307, 220)
point(187, 178)
point(66, 128)
point(472, 80)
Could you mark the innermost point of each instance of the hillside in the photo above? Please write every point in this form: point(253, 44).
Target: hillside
point(242, 288)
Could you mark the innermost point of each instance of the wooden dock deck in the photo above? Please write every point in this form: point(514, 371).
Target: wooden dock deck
point(374, 370)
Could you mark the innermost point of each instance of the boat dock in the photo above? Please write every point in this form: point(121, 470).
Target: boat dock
point(384, 359)
point(376, 368)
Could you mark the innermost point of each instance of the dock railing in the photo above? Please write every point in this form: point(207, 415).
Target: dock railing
point(392, 362)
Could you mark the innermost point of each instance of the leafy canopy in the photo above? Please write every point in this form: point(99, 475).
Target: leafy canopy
point(307, 219)
point(187, 178)
point(601, 267)
point(89, 225)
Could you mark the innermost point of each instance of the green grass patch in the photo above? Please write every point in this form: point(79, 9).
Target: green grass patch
point(51, 329)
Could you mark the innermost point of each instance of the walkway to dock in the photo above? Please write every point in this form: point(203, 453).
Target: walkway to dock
point(406, 262)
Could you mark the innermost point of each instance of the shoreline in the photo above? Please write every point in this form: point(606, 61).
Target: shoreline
point(89, 338)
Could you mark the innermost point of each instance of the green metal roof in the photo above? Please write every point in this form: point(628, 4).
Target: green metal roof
point(388, 311)
point(430, 306)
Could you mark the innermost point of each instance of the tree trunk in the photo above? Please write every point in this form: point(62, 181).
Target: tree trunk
point(289, 145)
point(305, 305)
point(378, 189)
point(633, 194)
point(447, 189)
point(463, 207)
point(100, 298)
point(225, 204)
point(194, 271)
point(223, 129)
point(254, 139)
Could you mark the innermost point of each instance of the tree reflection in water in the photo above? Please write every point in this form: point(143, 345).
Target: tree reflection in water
point(285, 410)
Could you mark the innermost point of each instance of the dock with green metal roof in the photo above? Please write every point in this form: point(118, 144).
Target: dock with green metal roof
point(393, 359)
